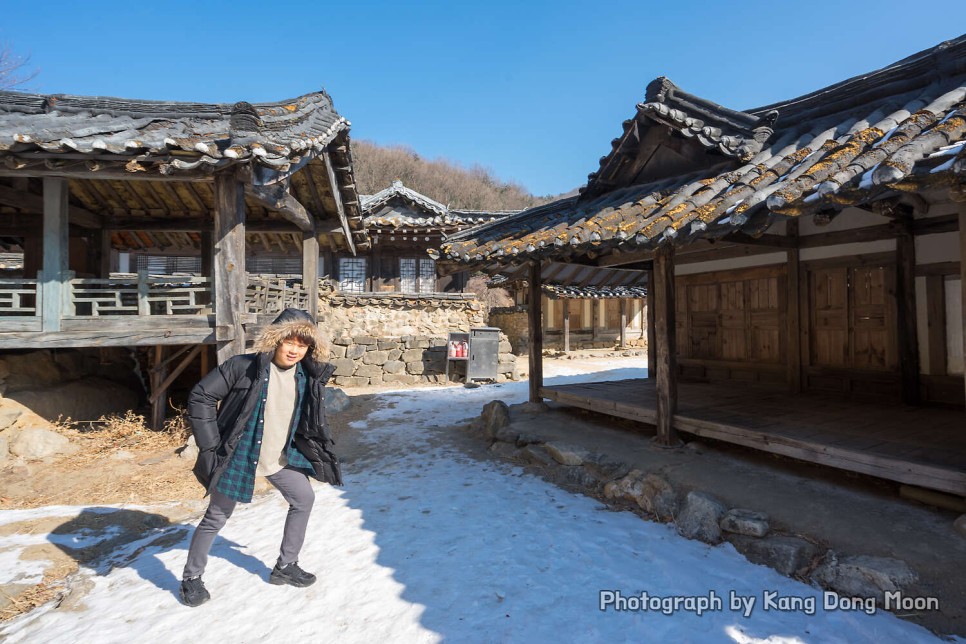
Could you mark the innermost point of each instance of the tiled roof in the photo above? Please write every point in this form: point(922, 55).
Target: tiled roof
point(594, 292)
point(434, 214)
point(902, 128)
point(270, 134)
point(576, 280)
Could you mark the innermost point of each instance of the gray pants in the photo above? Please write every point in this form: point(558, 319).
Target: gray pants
point(295, 488)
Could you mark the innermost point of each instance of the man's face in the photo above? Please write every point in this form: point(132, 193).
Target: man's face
point(289, 352)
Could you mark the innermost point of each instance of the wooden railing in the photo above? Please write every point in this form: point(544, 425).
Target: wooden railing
point(143, 295)
point(274, 296)
point(19, 297)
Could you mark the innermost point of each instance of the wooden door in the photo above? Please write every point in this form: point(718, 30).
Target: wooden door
point(873, 346)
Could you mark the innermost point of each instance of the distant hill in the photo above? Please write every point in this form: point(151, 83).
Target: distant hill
point(474, 188)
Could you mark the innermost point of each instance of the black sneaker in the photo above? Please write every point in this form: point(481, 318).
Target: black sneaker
point(291, 575)
point(193, 592)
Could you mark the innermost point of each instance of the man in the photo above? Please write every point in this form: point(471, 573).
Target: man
point(262, 414)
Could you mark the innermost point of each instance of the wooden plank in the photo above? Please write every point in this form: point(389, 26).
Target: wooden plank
point(310, 273)
point(20, 323)
point(35, 203)
point(938, 268)
point(229, 265)
point(123, 337)
point(906, 323)
point(666, 354)
point(162, 388)
point(55, 252)
point(566, 324)
point(651, 327)
point(534, 318)
point(158, 397)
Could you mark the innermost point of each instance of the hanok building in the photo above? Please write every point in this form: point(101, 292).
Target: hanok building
point(805, 266)
point(84, 177)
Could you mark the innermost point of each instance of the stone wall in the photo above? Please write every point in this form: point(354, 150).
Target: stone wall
point(512, 320)
point(395, 338)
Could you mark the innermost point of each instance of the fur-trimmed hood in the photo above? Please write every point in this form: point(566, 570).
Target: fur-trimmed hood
point(293, 322)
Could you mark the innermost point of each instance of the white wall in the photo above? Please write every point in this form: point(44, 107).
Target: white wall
point(954, 326)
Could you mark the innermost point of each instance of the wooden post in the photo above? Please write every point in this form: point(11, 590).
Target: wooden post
point(229, 265)
point(595, 318)
point(906, 327)
point(144, 307)
point(651, 326)
point(106, 254)
point(207, 253)
point(793, 324)
point(55, 252)
point(566, 324)
point(962, 276)
point(310, 272)
point(159, 397)
point(536, 332)
point(666, 350)
point(623, 323)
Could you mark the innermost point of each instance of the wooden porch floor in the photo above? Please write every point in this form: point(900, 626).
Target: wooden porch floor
point(918, 446)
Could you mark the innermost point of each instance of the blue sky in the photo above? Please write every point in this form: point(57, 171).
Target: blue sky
point(534, 91)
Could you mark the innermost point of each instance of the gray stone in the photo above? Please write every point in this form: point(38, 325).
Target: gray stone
point(787, 555)
point(34, 443)
point(960, 524)
point(342, 340)
point(630, 487)
point(496, 416)
point(394, 366)
point(336, 400)
point(607, 470)
point(501, 377)
point(385, 345)
point(435, 343)
point(355, 351)
point(577, 476)
point(4, 449)
point(749, 522)
point(421, 343)
point(402, 378)
point(658, 498)
point(412, 355)
point(864, 576)
point(565, 454)
point(351, 381)
point(365, 339)
point(505, 450)
point(368, 371)
point(534, 407)
point(190, 450)
point(536, 455)
point(415, 367)
point(344, 366)
point(505, 346)
point(700, 518)
point(375, 357)
point(394, 354)
point(337, 351)
point(9, 416)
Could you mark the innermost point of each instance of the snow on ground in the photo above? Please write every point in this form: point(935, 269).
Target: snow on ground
point(425, 544)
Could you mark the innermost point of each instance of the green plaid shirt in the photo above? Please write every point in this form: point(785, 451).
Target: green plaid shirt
point(238, 480)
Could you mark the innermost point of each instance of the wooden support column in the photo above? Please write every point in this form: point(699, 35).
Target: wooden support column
point(55, 252)
point(534, 317)
point(566, 324)
point(906, 311)
point(229, 265)
point(962, 275)
point(793, 324)
point(310, 272)
point(666, 350)
point(623, 323)
point(106, 255)
point(595, 318)
point(207, 253)
point(159, 393)
point(651, 326)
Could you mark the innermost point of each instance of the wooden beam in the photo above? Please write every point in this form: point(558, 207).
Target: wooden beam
point(774, 241)
point(55, 252)
point(158, 396)
point(162, 389)
point(229, 265)
point(337, 197)
point(566, 324)
point(906, 311)
point(666, 354)
point(534, 317)
point(793, 343)
point(278, 198)
point(651, 326)
point(623, 322)
point(310, 272)
point(30, 202)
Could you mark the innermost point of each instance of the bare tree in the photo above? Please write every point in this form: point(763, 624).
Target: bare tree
point(14, 70)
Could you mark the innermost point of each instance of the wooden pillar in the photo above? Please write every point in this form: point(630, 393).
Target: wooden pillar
point(666, 350)
point(106, 255)
point(793, 324)
point(566, 324)
point(623, 323)
point(159, 396)
point(595, 318)
point(651, 326)
point(536, 332)
point(962, 276)
point(55, 252)
point(906, 327)
point(229, 265)
point(310, 272)
point(207, 253)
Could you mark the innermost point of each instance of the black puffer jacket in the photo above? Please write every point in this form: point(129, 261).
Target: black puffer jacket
point(221, 405)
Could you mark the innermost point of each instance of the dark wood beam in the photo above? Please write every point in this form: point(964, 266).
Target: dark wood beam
point(566, 325)
point(623, 322)
point(229, 265)
point(666, 355)
point(310, 272)
point(793, 291)
point(774, 241)
point(55, 253)
point(651, 324)
point(534, 318)
point(906, 312)
point(277, 197)
point(31, 202)
point(337, 197)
